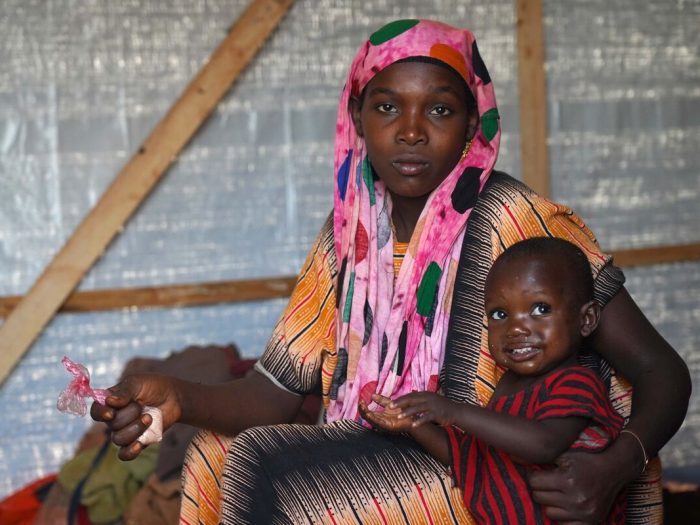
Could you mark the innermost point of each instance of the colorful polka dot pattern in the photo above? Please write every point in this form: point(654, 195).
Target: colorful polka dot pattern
point(343, 172)
point(369, 180)
point(452, 58)
point(466, 190)
point(489, 123)
point(391, 30)
point(428, 288)
point(393, 326)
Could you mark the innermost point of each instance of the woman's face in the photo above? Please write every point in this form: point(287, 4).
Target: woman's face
point(415, 121)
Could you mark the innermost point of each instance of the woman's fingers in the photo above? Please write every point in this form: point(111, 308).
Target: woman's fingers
point(103, 413)
point(127, 435)
point(381, 400)
point(125, 416)
point(571, 492)
point(545, 481)
point(373, 417)
point(384, 420)
point(364, 411)
point(130, 452)
point(119, 397)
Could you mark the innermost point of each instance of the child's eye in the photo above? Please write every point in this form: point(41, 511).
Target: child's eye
point(541, 309)
point(386, 108)
point(441, 111)
point(498, 315)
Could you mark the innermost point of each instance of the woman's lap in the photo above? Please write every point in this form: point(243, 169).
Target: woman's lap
point(339, 473)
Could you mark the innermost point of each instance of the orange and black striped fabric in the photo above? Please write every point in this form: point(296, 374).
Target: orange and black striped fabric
point(343, 473)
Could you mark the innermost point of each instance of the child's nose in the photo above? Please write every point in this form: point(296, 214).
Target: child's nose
point(517, 327)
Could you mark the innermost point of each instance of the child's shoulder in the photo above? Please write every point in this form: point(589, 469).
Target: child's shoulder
point(573, 373)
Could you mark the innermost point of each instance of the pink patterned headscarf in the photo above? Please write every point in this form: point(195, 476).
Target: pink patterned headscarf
point(391, 333)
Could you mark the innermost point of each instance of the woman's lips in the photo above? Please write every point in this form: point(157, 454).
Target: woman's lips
point(409, 168)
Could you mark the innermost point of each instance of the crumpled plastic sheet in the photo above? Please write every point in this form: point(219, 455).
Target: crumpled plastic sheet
point(72, 399)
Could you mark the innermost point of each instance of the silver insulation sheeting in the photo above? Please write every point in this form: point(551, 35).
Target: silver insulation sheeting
point(82, 83)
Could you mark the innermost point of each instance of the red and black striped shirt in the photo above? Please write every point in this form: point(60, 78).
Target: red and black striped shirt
point(495, 487)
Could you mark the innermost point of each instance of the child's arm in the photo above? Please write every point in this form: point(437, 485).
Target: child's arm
point(527, 440)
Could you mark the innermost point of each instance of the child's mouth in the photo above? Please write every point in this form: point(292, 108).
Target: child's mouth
point(522, 353)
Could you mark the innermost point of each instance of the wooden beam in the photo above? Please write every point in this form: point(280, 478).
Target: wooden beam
point(657, 255)
point(171, 296)
point(137, 179)
point(534, 157)
point(179, 295)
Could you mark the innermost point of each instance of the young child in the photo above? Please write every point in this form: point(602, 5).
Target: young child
point(539, 304)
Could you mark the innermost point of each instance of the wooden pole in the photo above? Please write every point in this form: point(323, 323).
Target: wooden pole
point(534, 157)
point(657, 255)
point(171, 296)
point(137, 179)
point(179, 295)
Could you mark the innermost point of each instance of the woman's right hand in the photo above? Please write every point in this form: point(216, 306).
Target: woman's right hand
point(122, 411)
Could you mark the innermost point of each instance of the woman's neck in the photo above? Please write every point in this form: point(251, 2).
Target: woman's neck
point(405, 212)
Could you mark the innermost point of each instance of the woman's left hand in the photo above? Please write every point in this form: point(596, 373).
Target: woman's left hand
point(582, 487)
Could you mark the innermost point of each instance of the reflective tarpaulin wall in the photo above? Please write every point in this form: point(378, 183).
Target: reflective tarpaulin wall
point(83, 83)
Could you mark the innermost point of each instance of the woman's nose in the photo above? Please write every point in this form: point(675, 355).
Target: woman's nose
point(412, 130)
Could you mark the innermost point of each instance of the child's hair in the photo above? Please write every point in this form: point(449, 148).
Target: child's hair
point(569, 254)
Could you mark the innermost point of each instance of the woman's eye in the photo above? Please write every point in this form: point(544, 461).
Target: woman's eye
point(441, 111)
point(498, 315)
point(386, 108)
point(541, 309)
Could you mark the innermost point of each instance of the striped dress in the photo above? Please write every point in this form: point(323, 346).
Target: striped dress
point(344, 473)
point(494, 486)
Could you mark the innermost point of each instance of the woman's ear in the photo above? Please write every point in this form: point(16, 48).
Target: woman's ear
point(355, 107)
point(472, 124)
point(590, 316)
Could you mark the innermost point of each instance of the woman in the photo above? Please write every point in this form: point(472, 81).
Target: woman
point(390, 300)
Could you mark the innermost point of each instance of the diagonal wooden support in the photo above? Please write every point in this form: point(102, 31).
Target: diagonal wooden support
point(534, 156)
point(137, 179)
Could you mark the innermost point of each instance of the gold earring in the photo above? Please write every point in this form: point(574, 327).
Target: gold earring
point(467, 147)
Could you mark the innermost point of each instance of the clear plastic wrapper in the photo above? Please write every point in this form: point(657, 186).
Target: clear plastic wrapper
point(72, 399)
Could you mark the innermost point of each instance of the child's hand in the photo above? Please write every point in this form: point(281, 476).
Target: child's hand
point(424, 407)
point(390, 419)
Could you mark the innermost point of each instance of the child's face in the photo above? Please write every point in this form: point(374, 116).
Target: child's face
point(533, 323)
point(415, 123)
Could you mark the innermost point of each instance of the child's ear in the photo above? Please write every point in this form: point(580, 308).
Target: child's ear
point(355, 107)
point(590, 316)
